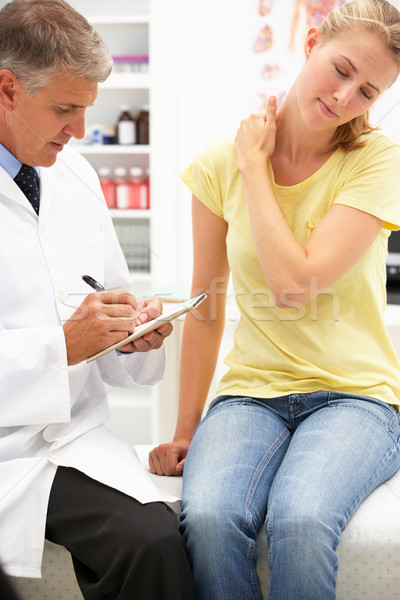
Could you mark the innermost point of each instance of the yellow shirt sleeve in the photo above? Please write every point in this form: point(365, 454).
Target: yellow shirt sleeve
point(373, 180)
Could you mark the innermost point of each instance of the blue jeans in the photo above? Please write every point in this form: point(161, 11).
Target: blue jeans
point(299, 465)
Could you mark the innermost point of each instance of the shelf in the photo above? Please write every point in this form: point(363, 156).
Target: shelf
point(126, 81)
point(118, 19)
point(111, 149)
point(140, 276)
point(133, 213)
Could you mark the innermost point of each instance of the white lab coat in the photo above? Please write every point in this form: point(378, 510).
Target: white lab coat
point(52, 414)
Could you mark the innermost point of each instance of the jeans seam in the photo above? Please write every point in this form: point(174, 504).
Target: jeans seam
point(272, 451)
point(269, 526)
point(248, 521)
point(255, 581)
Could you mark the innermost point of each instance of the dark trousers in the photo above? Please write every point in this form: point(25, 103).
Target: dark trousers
point(121, 549)
point(7, 591)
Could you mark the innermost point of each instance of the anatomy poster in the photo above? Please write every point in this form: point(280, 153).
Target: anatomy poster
point(277, 50)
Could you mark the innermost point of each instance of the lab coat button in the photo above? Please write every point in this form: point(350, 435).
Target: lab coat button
point(52, 454)
point(60, 297)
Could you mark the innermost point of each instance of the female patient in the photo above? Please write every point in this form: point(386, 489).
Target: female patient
point(305, 424)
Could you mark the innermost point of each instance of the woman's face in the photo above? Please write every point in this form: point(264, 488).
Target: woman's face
point(342, 77)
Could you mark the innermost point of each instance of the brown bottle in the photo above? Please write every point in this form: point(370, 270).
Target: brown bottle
point(143, 125)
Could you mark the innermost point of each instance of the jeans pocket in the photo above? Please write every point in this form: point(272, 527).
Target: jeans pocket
point(385, 413)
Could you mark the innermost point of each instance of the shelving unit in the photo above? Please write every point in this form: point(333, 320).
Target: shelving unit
point(125, 33)
point(138, 27)
point(141, 27)
point(133, 414)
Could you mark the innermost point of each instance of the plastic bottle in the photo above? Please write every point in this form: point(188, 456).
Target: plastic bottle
point(126, 127)
point(97, 135)
point(107, 185)
point(139, 190)
point(122, 188)
point(147, 182)
point(143, 120)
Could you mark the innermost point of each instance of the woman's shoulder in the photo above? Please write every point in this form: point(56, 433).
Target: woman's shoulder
point(377, 150)
point(378, 141)
point(220, 150)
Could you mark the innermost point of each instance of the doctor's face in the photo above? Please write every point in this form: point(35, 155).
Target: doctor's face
point(343, 77)
point(41, 125)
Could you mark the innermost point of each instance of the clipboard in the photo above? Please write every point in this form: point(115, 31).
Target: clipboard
point(171, 313)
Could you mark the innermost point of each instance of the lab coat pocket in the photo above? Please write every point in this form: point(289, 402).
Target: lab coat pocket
point(89, 252)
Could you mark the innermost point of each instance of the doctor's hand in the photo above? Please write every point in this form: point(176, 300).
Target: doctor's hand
point(255, 138)
point(103, 319)
point(147, 309)
point(169, 459)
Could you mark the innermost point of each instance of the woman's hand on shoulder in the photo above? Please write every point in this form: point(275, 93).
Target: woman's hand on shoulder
point(255, 138)
point(169, 459)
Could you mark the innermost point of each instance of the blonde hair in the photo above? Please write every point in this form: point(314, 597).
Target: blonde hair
point(377, 16)
point(39, 38)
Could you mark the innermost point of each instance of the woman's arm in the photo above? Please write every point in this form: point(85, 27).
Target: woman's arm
point(202, 333)
point(295, 273)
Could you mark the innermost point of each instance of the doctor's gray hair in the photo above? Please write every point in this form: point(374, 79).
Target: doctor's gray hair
point(40, 38)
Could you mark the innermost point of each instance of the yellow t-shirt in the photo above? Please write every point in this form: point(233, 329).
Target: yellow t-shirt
point(338, 341)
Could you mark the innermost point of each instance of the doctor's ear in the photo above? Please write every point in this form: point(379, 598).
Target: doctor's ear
point(9, 86)
point(312, 39)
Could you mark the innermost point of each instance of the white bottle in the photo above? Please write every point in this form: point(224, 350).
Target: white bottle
point(121, 187)
point(126, 127)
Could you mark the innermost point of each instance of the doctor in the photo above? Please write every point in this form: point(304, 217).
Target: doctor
point(63, 475)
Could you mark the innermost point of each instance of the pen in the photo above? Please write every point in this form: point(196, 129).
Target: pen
point(93, 283)
point(100, 288)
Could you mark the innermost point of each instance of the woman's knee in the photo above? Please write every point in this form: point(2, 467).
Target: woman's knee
point(201, 518)
point(303, 528)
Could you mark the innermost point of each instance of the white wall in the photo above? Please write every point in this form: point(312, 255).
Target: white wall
point(213, 93)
